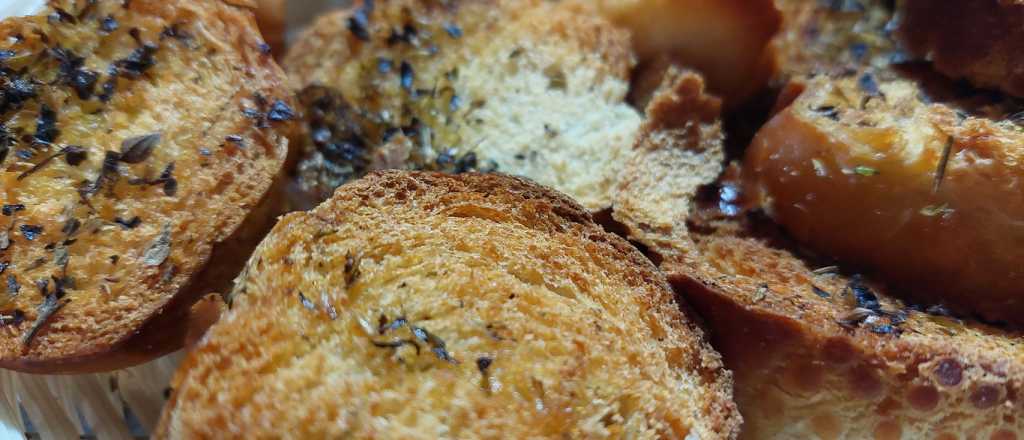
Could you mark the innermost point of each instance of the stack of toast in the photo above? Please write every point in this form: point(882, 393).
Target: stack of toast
point(685, 219)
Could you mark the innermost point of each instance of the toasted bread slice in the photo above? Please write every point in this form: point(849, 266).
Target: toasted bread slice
point(832, 36)
point(428, 305)
point(525, 87)
point(138, 141)
point(726, 40)
point(979, 40)
point(816, 352)
point(926, 193)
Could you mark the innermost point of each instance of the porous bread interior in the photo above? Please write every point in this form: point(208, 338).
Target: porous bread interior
point(194, 96)
point(550, 325)
point(541, 85)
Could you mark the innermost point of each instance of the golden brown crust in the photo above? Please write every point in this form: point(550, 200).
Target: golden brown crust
point(980, 40)
point(165, 111)
point(428, 305)
point(816, 353)
point(524, 87)
point(831, 36)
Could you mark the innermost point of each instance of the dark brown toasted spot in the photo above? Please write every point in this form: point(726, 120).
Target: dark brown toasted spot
point(985, 396)
point(888, 430)
point(923, 397)
point(838, 351)
point(1004, 434)
point(949, 372)
point(864, 382)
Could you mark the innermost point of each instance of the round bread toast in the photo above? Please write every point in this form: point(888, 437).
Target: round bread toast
point(427, 305)
point(978, 40)
point(525, 87)
point(818, 351)
point(887, 175)
point(140, 140)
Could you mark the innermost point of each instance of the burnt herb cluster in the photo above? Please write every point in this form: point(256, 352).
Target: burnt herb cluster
point(405, 118)
point(417, 336)
point(867, 309)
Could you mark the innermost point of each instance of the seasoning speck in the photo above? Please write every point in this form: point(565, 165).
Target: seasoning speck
point(453, 30)
point(865, 170)
point(158, 252)
point(280, 111)
point(407, 76)
point(137, 149)
point(31, 232)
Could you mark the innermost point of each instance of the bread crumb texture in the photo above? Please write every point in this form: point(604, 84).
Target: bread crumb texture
point(525, 87)
point(425, 305)
point(135, 137)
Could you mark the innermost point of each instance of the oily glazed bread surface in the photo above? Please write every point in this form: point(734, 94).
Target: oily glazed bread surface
point(816, 352)
point(875, 172)
point(137, 137)
point(726, 40)
point(436, 306)
point(525, 87)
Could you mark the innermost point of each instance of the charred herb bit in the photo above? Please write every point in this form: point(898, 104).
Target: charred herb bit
point(84, 82)
point(108, 172)
point(137, 149)
point(855, 317)
point(820, 292)
point(306, 302)
point(351, 269)
point(867, 84)
point(62, 16)
point(384, 65)
point(483, 363)
point(31, 232)
point(137, 63)
point(940, 172)
point(74, 155)
point(828, 111)
point(46, 311)
point(883, 329)
point(108, 24)
point(9, 210)
point(396, 344)
point(46, 125)
point(383, 326)
point(437, 345)
point(108, 89)
point(864, 296)
point(159, 250)
point(453, 30)
point(132, 223)
point(280, 111)
point(71, 227)
point(168, 180)
point(407, 76)
point(3, 266)
point(332, 313)
point(15, 318)
point(13, 287)
point(16, 91)
point(358, 24)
